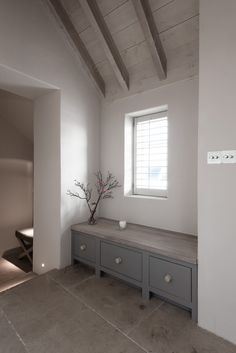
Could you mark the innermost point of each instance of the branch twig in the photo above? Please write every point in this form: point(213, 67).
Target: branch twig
point(104, 187)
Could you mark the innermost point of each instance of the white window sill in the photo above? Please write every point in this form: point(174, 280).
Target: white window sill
point(132, 196)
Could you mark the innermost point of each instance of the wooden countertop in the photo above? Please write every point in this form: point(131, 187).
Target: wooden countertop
point(172, 244)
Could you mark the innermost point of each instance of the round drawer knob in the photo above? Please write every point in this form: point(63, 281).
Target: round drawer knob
point(83, 247)
point(118, 260)
point(167, 278)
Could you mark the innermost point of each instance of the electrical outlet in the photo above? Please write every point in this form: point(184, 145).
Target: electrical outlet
point(228, 156)
point(214, 157)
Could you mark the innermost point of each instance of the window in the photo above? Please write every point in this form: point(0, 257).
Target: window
point(150, 155)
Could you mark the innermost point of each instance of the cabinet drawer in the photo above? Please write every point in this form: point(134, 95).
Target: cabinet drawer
point(170, 278)
point(122, 260)
point(85, 247)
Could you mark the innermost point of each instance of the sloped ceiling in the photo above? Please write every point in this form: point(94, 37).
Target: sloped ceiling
point(177, 25)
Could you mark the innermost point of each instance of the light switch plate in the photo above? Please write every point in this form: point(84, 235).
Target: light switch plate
point(214, 157)
point(228, 156)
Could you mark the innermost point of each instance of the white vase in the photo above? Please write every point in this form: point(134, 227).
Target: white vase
point(122, 224)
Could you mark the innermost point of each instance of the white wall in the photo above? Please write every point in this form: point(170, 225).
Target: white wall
point(12, 143)
point(16, 188)
point(179, 211)
point(31, 43)
point(47, 222)
point(18, 111)
point(217, 183)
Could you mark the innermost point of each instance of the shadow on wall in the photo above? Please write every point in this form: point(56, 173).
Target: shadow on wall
point(16, 199)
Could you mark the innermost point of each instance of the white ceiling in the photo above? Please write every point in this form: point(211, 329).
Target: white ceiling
point(177, 24)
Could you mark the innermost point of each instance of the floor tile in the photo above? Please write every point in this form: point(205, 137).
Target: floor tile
point(64, 312)
point(61, 325)
point(9, 342)
point(116, 301)
point(83, 332)
point(72, 275)
point(201, 341)
point(32, 299)
point(170, 330)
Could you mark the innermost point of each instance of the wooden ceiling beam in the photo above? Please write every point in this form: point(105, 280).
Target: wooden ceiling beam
point(146, 19)
point(75, 38)
point(99, 25)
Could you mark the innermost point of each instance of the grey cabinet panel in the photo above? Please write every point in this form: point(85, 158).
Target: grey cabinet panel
point(122, 260)
point(85, 247)
point(170, 278)
point(114, 252)
point(178, 246)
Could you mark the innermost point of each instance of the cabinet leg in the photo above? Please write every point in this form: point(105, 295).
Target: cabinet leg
point(98, 272)
point(145, 294)
point(194, 314)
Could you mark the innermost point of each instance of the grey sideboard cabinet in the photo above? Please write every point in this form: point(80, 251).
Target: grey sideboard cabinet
point(158, 261)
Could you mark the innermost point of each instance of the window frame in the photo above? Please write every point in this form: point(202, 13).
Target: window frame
point(142, 191)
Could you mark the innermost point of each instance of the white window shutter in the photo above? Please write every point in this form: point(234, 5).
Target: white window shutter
point(151, 154)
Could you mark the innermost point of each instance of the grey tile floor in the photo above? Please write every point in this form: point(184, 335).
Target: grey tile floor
point(71, 311)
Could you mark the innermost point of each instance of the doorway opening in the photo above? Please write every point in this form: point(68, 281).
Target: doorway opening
point(29, 113)
point(16, 186)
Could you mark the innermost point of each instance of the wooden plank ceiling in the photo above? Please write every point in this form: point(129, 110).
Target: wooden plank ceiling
point(122, 47)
